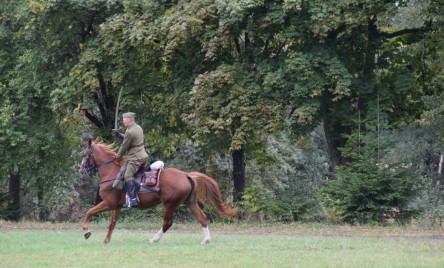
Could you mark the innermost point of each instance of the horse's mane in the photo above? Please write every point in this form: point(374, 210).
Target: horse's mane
point(108, 149)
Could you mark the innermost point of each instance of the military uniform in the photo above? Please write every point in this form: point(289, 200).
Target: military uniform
point(133, 151)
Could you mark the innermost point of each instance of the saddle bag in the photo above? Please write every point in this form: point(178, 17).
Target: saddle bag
point(149, 178)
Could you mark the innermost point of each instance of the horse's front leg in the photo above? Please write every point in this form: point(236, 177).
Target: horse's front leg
point(112, 223)
point(102, 206)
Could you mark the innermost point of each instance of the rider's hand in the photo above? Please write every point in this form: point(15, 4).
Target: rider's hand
point(117, 135)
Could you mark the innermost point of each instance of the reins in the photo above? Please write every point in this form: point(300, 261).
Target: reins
point(92, 169)
point(108, 180)
point(96, 167)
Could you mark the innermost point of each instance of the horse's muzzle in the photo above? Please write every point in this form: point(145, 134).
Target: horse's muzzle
point(84, 172)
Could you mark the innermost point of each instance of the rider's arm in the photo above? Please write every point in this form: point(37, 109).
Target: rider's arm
point(125, 144)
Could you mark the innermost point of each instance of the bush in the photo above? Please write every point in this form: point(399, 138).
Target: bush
point(284, 188)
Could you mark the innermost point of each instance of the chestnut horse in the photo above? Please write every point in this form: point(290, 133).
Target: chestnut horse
point(176, 187)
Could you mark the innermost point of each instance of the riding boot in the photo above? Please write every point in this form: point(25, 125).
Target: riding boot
point(132, 201)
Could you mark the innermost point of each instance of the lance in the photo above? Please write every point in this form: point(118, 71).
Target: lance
point(117, 107)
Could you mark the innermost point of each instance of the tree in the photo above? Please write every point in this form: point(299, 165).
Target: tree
point(367, 188)
point(362, 34)
point(433, 79)
point(9, 136)
point(301, 61)
point(31, 133)
point(224, 74)
point(189, 45)
point(68, 31)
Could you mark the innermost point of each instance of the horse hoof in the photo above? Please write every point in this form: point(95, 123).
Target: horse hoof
point(87, 235)
point(203, 242)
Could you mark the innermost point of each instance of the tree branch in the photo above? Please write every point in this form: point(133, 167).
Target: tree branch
point(94, 119)
point(104, 90)
point(404, 31)
point(100, 105)
point(333, 34)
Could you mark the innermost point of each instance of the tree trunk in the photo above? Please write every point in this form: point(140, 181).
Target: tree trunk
point(333, 151)
point(14, 193)
point(238, 173)
point(43, 213)
point(333, 141)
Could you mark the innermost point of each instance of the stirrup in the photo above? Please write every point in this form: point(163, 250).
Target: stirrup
point(130, 202)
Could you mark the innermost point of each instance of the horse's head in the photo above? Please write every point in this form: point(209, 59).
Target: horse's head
point(96, 155)
point(87, 165)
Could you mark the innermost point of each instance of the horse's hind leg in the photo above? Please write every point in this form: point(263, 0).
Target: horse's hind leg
point(167, 222)
point(112, 223)
point(202, 218)
point(102, 206)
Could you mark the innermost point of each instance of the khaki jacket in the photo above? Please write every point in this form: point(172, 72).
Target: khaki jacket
point(132, 147)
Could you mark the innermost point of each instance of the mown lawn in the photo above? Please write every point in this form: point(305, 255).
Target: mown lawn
point(61, 245)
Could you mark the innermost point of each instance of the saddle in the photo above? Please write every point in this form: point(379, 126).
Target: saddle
point(146, 178)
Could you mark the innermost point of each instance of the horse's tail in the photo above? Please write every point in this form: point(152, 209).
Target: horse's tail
point(208, 191)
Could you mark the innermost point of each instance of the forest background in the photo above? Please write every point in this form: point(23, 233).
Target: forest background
point(326, 111)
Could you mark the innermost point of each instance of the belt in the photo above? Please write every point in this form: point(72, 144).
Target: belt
point(135, 146)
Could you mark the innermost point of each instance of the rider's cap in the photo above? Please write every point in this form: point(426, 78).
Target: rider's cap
point(129, 115)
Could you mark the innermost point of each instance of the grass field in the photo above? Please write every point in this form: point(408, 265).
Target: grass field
point(63, 245)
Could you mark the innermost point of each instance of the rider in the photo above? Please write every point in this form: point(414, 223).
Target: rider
point(133, 150)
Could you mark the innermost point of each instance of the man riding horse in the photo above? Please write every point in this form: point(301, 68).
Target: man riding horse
point(133, 151)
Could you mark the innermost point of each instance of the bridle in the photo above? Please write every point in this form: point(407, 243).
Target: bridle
point(88, 170)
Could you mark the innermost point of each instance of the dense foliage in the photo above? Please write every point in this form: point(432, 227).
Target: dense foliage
point(369, 187)
point(261, 95)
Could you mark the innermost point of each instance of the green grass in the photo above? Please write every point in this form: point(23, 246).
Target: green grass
point(59, 245)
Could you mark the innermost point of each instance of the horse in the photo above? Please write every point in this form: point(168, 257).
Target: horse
point(175, 187)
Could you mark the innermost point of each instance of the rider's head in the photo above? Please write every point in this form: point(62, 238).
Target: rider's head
point(128, 119)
